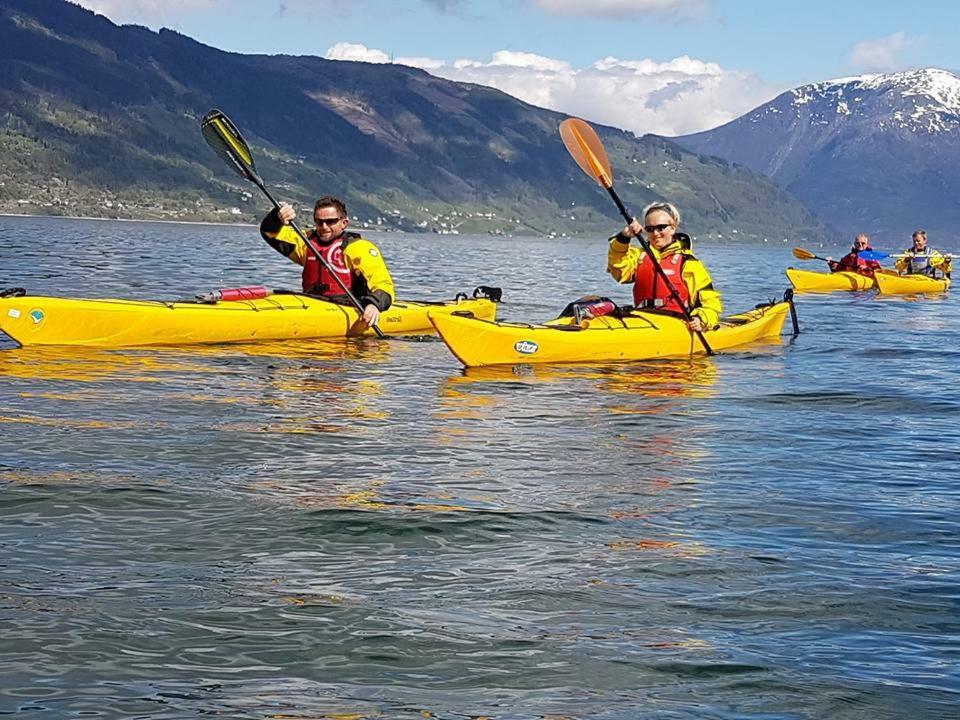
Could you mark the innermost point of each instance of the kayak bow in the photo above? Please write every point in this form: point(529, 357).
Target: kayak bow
point(810, 281)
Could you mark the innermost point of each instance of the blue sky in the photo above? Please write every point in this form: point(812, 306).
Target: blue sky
point(664, 66)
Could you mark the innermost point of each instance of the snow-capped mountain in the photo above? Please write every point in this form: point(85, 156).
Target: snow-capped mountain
point(874, 153)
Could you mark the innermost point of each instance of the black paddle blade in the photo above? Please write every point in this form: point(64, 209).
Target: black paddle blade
point(227, 142)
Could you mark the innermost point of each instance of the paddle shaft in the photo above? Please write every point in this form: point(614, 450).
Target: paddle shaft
point(356, 303)
point(875, 255)
point(658, 268)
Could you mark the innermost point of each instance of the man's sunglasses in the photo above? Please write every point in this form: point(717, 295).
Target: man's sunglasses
point(329, 222)
point(656, 228)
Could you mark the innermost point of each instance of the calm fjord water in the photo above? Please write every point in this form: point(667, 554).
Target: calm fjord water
point(362, 529)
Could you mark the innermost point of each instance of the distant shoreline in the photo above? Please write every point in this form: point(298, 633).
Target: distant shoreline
point(175, 222)
point(131, 220)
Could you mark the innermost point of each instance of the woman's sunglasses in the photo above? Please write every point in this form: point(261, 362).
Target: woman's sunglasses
point(656, 228)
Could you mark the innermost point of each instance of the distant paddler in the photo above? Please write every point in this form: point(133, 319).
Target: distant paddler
point(921, 259)
point(350, 260)
point(853, 262)
point(690, 292)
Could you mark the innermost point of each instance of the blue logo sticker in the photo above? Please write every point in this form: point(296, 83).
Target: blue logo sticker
point(36, 316)
point(526, 347)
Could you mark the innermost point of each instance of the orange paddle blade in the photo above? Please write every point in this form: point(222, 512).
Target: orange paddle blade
point(585, 147)
point(802, 254)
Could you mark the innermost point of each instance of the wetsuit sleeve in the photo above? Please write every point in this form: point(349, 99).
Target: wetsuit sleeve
point(622, 259)
point(706, 301)
point(365, 259)
point(283, 238)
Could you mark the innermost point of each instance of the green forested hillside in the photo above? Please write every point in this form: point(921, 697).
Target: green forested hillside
point(102, 120)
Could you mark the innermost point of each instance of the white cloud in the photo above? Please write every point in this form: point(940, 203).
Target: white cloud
point(880, 54)
point(361, 53)
point(678, 97)
point(626, 9)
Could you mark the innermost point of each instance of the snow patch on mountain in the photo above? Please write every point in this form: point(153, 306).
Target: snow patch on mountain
point(925, 100)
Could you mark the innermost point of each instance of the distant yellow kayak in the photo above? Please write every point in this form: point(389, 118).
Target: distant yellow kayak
point(38, 320)
point(911, 284)
point(638, 335)
point(809, 281)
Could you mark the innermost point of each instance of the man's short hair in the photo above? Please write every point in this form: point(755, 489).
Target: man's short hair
point(330, 201)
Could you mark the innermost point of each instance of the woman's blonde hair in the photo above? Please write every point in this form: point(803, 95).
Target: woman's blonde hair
point(669, 208)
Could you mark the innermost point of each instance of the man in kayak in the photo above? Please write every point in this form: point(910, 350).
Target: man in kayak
point(689, 277)
point(852, 262)
point(920, 259)
point(356, 261)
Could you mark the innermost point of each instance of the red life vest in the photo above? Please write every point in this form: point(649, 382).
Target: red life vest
point(852, 262)
point(649, 290)
point(317, 280)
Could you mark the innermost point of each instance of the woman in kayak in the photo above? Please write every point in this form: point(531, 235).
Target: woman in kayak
point(689, 277)
point(356, 261)
point(920, 259)
point(852, 262)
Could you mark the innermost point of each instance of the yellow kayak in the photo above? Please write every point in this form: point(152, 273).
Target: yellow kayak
point(37, 320)
point(911, 284)
point(635, 335)
point(809, 281)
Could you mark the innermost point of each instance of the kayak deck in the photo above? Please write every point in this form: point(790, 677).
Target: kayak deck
point(39, 320)
point(636, 335)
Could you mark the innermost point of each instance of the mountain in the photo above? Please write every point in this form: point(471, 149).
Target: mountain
point(876, 153)
point(100, 119)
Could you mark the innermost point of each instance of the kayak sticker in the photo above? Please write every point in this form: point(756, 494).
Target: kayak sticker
point(14, 313)
point(36, 316)
point(373, 252)
point(526, 347)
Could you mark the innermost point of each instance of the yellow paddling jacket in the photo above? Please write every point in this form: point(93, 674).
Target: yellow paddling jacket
point(924, 263)
point(623, 259)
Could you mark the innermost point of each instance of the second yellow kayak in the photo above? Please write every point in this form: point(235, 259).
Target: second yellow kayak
point(636, 335)
point(911, 284)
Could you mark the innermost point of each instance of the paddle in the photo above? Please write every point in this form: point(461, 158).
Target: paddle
point(222, 135)
point(802, 254)
point(588, 152)
point(874, 255)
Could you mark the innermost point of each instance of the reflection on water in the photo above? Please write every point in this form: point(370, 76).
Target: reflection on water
point(356, 528)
